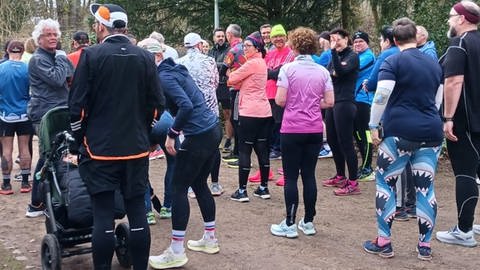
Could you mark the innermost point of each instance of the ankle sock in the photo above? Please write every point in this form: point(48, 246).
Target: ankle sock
point(6, 179)
point(424, 244)
point(382, 241)
point(178, 237)
point(209, 232)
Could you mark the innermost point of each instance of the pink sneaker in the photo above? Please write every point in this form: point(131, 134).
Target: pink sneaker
point(349, 189)
point(281, 181)
point(157, 154)
point(336, 181)
point(256, 178)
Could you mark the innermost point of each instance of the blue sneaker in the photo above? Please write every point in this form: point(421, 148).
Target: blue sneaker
point(284, 230)
point(372, 247)
point(424, 253)
point(324, 153)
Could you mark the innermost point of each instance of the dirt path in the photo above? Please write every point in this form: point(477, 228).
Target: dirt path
point(243, 231)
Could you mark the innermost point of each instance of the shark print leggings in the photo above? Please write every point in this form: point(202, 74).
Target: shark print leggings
point(393, 155)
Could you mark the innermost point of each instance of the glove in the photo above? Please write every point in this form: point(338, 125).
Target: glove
point(60, 53)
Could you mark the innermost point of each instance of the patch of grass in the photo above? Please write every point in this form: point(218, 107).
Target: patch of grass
point(8, 261)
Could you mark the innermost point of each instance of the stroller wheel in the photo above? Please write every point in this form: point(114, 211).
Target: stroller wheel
point(51, 253)
point(122, 234)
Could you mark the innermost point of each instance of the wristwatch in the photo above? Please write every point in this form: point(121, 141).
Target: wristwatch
point(447, 119)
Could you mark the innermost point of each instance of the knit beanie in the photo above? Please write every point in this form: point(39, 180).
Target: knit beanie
point(362, 35)
point(278, 30)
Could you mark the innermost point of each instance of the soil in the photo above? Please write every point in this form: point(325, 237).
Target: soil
point(342, 223)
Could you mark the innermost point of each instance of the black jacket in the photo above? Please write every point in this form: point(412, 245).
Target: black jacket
point(218, 53)
point(114, 99)
point(344, 71)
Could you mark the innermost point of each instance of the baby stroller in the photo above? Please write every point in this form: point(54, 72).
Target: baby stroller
point(68, 207)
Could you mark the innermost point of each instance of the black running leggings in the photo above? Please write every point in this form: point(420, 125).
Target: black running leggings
point(362, 134)
point(464, 156)
point(339, 121)
point(193, 163)
point(103, 236)
point(300, 153)
point(253, 133)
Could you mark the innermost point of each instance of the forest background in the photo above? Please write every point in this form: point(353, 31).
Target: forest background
point(176, 18)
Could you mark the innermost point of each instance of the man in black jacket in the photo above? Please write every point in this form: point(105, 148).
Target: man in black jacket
point(218, 52)
point(114, 101)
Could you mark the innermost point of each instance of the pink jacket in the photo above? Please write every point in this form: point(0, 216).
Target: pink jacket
point(251, 79)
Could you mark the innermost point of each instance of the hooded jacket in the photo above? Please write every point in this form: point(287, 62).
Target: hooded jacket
point(429, 49)
point(184, 100)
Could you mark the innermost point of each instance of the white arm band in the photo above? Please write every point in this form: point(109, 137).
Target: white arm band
point(439, 97)
point(380, 100)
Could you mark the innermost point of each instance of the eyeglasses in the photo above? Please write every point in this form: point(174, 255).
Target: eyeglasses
point(453, 15)
point(247, 46)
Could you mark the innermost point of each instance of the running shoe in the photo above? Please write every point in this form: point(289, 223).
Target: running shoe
point(240, 197)
point(476, 229)
point(165, 213)
point(411, 211)
point(262, 193)
point(275, 155)
point(6, 189)
point(401, 214)
point(478, 181)
point(18, 177)
point(233, 164)
point(167, 260)
point(336, 181)
point(348, 189)
point(230, 157)
point(156, 154)
point(280, 181)
point(33, 211)
point(191, 194)
point(456, 237)
point(25, 188)
point(256, 177)
point(227, 147)
point(324, 153)
point(216, 189)
point(424, 253)
point(307, 228)
point(372, 247)
point(209, 246)
point(284, 230)
point(366, 175)
point(151, 218)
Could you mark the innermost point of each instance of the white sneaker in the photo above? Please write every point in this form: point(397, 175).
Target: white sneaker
point(283, 230)
point(478, 181)
point(476, 229)
point(209, 246)
point(307, 228)
point(457, 237)
point(168, 259)
point(216, 189)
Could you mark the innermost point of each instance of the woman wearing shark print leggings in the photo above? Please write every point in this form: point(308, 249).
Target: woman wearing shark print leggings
point(408, 93)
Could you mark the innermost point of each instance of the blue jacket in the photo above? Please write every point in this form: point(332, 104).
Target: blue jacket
point(373, 78)
point(324, 58)
point(185, 100)
point(367, 62)
point(429, 49)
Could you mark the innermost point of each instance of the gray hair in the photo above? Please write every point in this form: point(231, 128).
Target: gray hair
point(159, 37)
point(422, 30)
point(41, 25)
point(235, 30)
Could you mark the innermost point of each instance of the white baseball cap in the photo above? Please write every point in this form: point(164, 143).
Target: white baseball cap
point(191, 39)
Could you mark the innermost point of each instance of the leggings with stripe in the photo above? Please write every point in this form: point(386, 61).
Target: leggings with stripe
point(362, 134)
point(390, 165)
point(465, 156)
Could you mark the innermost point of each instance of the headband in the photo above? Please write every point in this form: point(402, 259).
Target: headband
point(461, 10)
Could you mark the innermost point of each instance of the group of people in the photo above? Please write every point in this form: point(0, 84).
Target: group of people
point(274, 92)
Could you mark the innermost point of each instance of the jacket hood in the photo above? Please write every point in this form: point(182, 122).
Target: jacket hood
point(430, 45)
point(170, 65)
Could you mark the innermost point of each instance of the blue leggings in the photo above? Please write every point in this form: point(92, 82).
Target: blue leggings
point(391, 163)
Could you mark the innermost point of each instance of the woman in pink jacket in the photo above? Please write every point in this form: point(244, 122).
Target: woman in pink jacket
point(255, 116)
